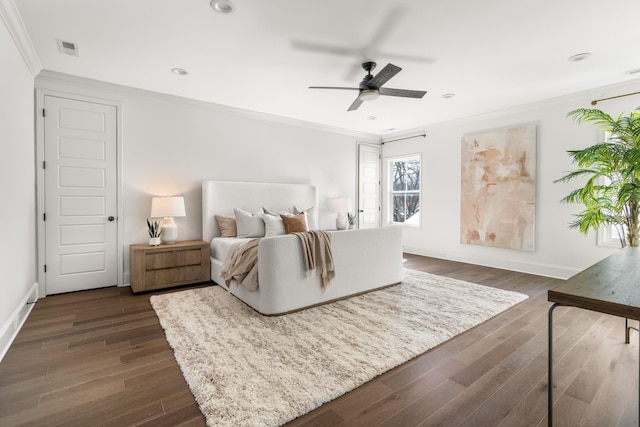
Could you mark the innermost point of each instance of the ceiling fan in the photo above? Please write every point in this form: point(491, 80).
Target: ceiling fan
point(371, 86)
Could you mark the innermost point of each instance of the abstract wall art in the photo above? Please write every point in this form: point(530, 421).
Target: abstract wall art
point(498, 186)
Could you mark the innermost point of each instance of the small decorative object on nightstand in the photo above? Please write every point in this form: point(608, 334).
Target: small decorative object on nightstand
point(351, 219)
point(154, 232)
point(164, 266)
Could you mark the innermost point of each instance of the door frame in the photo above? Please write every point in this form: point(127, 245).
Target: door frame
point(40, 185)
point(357, 204)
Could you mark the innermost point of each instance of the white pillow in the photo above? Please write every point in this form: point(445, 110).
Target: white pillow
point(274, 212)
point(248, 224)
point(273, 225)
point(309, 215)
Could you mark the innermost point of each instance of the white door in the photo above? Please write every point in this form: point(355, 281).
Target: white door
point(80, 195)
point(368, 186)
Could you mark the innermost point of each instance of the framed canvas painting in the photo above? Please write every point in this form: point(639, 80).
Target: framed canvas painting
point(498, 186)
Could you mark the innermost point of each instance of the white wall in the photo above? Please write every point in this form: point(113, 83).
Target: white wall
point(170, 145)
point(559, 251)
point(17, 190)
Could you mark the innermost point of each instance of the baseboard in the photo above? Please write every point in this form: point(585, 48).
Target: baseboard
point(10, 329)
point(547, 270)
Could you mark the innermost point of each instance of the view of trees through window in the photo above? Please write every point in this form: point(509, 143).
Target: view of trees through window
point(405, 189)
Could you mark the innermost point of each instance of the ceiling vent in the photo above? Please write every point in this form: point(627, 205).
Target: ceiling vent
point(68, 48)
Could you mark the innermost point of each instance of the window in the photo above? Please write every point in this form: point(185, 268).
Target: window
point(404, 183)
point(609, 236)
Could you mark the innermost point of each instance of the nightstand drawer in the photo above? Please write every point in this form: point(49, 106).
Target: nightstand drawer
point(171, 259)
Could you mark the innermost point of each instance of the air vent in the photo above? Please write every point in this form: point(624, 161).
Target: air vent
point(68, 48)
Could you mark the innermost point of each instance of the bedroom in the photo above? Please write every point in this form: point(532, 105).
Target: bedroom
point(158, 124)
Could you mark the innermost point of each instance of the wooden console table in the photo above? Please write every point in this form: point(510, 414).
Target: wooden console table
point(611, 286)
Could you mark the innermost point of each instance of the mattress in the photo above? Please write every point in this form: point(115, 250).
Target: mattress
point(220, 246)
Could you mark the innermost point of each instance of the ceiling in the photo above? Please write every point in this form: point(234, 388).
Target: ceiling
point(491, 54)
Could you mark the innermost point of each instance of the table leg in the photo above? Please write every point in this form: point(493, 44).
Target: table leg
point(626, 330)
point(550, 369)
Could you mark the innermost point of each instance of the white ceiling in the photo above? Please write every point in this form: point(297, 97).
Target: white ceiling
point(492, 54)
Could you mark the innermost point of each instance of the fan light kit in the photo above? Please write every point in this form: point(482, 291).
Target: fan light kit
point(222, 6)
point(369, 94)
point(370, 87)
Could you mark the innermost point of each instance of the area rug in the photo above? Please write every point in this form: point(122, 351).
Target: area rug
point(247, 369)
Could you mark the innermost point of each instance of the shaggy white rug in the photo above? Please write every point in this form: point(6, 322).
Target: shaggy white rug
point(247, 369)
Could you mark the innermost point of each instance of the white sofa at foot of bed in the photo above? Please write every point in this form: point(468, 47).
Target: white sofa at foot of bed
point(363, 259)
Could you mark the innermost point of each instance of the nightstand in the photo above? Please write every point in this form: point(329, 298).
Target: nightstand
point(164, 266)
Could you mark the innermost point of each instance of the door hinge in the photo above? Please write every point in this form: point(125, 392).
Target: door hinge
point(44, 164)
point(43, 113)
point(45, 268)
point(44, 216)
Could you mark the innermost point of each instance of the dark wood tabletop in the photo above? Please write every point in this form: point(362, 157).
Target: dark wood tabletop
point(611, 286)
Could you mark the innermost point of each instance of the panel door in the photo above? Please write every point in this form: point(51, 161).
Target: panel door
point(368, 186)
point(80, 195)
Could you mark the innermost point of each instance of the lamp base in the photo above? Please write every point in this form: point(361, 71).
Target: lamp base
point(341, 222)
point(169, 231)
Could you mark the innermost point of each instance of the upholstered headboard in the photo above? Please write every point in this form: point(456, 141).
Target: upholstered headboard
point(221, 197)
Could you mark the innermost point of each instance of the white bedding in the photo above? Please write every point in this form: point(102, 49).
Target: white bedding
point(220, 246)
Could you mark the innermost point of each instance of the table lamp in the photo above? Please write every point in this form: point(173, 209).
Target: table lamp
point(167, 208)
point(340, 205)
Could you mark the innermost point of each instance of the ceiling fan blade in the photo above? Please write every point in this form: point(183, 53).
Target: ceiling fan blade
point(333, 87)
point(357, 103)
point(384, 75)
point(402, 92)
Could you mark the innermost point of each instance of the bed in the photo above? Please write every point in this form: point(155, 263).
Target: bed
point(364, 260)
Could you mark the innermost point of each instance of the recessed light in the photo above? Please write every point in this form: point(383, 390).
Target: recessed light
point(372, 117)
point(448, 95)
point(578, 57)
point(179, 71)
point(222, 6)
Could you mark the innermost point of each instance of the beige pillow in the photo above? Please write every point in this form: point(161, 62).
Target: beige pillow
point(227, 225)
point(294, 224)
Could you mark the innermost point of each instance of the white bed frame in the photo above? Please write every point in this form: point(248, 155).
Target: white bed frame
point(364, 259)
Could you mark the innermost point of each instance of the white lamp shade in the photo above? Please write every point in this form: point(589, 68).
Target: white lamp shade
point(340, 204)
point(167, 206)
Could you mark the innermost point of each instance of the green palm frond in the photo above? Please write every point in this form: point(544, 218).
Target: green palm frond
point(610, 171)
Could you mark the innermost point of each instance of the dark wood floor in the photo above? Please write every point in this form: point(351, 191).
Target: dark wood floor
point(100, 358)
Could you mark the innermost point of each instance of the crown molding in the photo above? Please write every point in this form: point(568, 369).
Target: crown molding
point(13, 21)
point(110, 88)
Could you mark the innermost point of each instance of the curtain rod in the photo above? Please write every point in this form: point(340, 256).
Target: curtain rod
point(423, 135)
point(595, 101)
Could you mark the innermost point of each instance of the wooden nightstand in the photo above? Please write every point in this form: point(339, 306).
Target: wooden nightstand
point(164, 266)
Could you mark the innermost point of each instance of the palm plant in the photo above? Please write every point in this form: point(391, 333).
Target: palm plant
point(611, 194)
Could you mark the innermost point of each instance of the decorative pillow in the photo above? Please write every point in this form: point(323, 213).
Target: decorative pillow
point(295, 223)
point(310, 214)
point(273, 225)
point(248, 224)
point(286, 211)
point(227, 225)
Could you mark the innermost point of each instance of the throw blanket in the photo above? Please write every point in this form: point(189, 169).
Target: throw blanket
point(317, 254)
point(242, 265)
